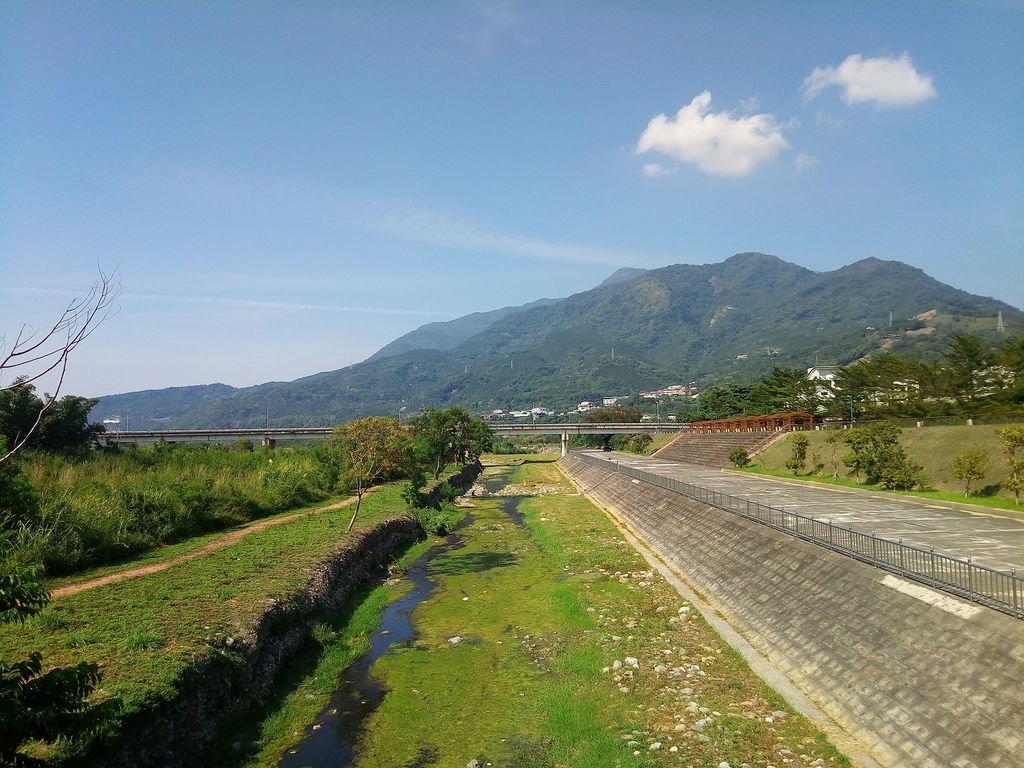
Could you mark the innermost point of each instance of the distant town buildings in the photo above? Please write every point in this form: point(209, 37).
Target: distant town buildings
point(674, 390)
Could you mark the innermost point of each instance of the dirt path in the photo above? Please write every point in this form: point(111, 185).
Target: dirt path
point(226, 540)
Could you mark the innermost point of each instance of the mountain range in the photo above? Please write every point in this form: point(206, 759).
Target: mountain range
point(639, 329)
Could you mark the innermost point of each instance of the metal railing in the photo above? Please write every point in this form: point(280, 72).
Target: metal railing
point(1001, 590)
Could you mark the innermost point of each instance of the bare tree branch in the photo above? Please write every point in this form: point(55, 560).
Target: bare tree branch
point(37, 353)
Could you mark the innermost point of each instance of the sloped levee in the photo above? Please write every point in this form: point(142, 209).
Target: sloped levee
point(920, 678)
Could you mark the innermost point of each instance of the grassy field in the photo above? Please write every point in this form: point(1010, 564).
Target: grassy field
point(108, 506)
point(934, 448)
point(552, 615)
point(145, 631)
point(573, 652)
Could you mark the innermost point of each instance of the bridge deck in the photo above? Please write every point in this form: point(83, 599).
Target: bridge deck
point(323, 433)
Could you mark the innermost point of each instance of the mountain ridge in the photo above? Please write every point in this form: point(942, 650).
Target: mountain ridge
point(723, 321)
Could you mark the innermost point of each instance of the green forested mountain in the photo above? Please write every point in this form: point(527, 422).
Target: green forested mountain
point(712, 322)
point(448, 335)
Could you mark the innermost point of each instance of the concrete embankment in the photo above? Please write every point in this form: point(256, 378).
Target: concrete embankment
point(918, 677)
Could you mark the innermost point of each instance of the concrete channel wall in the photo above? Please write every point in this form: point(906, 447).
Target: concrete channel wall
point(920, 678)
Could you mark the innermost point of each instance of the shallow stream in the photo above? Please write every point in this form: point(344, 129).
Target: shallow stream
point(331, 741)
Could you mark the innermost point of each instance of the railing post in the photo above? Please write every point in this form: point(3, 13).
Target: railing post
point(970, 578)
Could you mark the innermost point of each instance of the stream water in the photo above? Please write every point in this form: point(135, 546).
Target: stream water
point(332, 740)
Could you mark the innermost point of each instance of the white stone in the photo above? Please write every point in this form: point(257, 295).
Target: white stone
point(632, 662)
point(616, 664)
point(455, 640)
point(655, 746)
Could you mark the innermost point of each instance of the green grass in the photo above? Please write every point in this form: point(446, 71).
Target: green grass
point(551, 605)
point(105, 507)
point(934, 448)
point(308, 681)
point(144, 632)
point(545, 616)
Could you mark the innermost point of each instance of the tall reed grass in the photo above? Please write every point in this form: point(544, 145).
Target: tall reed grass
point(109, 505)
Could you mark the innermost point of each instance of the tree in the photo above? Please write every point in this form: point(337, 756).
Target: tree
point(449, 436)
point(34, 355)
point(35, 705)
point(798, 443)
point(46, 424)
point(970, 465)
point(785, 389)
point(611, 414)
point(877, 453)
point(374, 448)
point(722, 401)
point(966, 358)
point(1013, 447)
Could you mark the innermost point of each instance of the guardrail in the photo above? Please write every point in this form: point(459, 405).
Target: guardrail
point(1001, 590)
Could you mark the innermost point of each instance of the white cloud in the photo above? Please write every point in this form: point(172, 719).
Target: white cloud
point(886, 82)
point(750, 105)
point(804, 161)
point(451, 230)
point(718, 143)
point(393, 218)
point(489, 21)
point(257, 304)
point(827, 120)
point(656, 169)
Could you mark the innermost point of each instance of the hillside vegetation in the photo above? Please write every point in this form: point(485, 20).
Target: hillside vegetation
point(934, 448)
point(727, 321)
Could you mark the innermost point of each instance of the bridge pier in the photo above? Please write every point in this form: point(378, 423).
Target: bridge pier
point(565, 443)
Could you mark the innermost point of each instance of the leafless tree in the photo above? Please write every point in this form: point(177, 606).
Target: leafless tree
point(38, 352)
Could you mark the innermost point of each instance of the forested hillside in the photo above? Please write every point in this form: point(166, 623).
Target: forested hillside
point(708, 323)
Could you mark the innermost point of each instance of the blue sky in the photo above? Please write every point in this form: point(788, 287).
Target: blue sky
point(285, 187)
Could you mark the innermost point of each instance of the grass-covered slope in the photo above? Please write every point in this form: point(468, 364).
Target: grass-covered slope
point(934, 448)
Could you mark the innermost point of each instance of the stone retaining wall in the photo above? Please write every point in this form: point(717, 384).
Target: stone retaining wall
point(241, 673)
point(922, 679)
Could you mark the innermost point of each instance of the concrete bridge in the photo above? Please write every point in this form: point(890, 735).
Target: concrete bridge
point(269, 437)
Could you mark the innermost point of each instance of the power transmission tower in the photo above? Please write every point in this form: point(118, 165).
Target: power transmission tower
point(1000, 325)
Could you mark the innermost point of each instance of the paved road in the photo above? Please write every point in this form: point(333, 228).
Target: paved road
point(990, 538)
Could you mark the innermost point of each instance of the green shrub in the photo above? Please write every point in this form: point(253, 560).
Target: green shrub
point(739, 457)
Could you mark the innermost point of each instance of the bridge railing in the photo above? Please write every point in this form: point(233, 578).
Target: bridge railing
point(1002, 590)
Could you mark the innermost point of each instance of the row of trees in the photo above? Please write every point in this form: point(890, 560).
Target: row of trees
point(378, 448)
point(45, 423)
point(876, 457)
point(972, 464)
point(971, 377)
